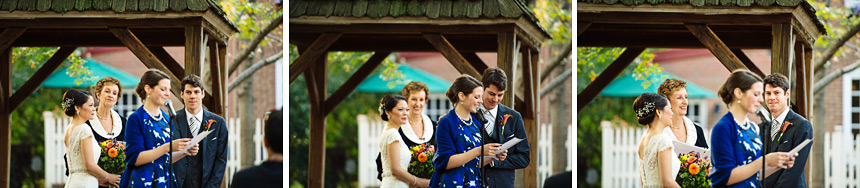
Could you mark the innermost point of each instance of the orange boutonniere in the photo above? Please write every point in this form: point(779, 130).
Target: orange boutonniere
point(504, 122)
point(209, 123)
point(782, 130)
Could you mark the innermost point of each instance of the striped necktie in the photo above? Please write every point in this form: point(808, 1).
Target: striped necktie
point(774, 129)
point(194, 125)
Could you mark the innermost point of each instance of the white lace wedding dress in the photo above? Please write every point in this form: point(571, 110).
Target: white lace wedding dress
point(78, 175)
point(648, 167)
point(388, 179)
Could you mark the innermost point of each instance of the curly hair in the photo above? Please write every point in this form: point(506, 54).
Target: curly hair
point(671, 85)
point(414, 86)
point(101, 85)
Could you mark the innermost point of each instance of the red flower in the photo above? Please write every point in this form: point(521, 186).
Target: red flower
point(504, 121)
point(209, 123)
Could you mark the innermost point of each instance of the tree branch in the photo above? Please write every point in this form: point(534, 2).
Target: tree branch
point(828, 53)
point(274, 23)
point(250, 71)
point(555, 61)
point(819, 85)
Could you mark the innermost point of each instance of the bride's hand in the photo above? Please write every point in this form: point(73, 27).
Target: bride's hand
point(180, 144)
point(114, 179)
point(423, 183)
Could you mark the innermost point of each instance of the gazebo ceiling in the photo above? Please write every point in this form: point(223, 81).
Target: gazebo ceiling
point(85, 23)
point(737, 23)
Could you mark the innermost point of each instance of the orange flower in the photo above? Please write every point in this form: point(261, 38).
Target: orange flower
point(691, 159)
point(112, 152)
point(431, 150)
point(109, 144)
point(694, 169)
point(422, 157)
point(209, 123)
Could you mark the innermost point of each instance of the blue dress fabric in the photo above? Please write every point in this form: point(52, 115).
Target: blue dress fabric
point(143, 132)
point(455, 137)
point(734, 145)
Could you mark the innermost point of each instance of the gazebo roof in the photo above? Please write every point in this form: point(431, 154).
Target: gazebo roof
point(118, 6)
point(465, 23)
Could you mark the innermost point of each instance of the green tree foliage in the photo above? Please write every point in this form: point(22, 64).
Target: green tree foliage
point(619, 110)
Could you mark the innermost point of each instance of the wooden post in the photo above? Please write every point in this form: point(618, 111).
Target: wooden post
point(40, 76)
point(798, 92)
point(581, 27)
point(353, 81)
point(195, 40)
point(215, 73)
point(5, 115)
point(531, 117)
point(315, 77)
point(320, 45)
point(781, 49)
point(145, 55)
point(716, 46)
point(600, 83)
point(507, 49)
point(222, 65)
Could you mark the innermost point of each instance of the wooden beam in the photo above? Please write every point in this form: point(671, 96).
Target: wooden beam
point(171, 64)
point(809, 77)
point(592, 90)
point(716, 46)
point(451, 53)
point(9, 35)
point(581, 27)
point(682, 18)
point(98, 37)
point(781, 49)
point(475, 61)
point(530, 118)
point(748, 62)
point(215, 73)
point(315, 77)
point(195, 41)
point(799, 90)
point(314, 51)
point(353, 81)
point(147, 57)
point(40, 76)
point(222, 65)
point(400, 28)
point(5, 116)
point(506, 60)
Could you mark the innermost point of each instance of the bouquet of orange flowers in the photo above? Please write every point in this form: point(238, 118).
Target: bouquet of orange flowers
point(113, 153)
point(421, 164)
point(694, 170)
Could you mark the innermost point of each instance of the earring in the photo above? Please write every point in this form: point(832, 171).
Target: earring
point(461, 102)
point(739, 101)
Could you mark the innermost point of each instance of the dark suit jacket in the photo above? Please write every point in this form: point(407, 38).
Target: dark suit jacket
point(502, 173)
point(799, 130)
point(213, 148)
point(700, 139)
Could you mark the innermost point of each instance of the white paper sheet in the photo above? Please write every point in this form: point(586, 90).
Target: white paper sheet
point(193, 142)
point(792, 152)
point(507, 145)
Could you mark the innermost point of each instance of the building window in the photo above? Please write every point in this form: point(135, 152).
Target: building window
point(851, 100)
point(128, 103)
point(695, 111)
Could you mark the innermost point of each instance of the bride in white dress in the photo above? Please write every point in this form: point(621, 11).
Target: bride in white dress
point(81, 147)
point(658, 162)
point(395, 154)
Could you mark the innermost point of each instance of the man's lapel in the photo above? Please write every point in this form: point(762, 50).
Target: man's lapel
point(790, 117)
point(499, 130)
point(204, 152)
point(182, 124)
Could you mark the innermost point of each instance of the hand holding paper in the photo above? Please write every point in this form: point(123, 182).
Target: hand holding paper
point(194, 141)
point(791, 153)
point(505, 147)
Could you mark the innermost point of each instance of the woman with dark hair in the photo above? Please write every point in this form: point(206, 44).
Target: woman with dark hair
point(735, 142)
point(148, 136)
point(683, 129)
point(395, 154)
point(81, 148)
point(658, 165)
point(458, 135)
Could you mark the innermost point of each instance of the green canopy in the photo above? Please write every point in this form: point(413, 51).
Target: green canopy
point(375, 84)
point(59, 79)
point(627, 86)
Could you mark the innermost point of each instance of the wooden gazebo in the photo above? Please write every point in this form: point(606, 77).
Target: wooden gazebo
point(145, 27)
point(456, 28)
point(788, 28)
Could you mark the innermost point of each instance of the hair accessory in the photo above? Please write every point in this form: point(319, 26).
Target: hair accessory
point(68, 103)
point(381, 106)
point(648, 108)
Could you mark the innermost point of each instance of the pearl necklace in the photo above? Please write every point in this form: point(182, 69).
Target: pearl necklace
point(156, 118)
point(464, 121)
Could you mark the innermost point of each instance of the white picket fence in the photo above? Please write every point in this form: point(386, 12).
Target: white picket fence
point(370, 130)
point(55, 148)
point(620, 160)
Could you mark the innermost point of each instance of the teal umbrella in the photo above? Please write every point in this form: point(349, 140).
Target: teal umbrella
point(627, 86)
point(375, 84)
point(59, 79)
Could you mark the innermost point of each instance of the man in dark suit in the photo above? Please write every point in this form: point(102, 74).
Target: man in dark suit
point(787, 130)
point(208, 167)
point(501, 124)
